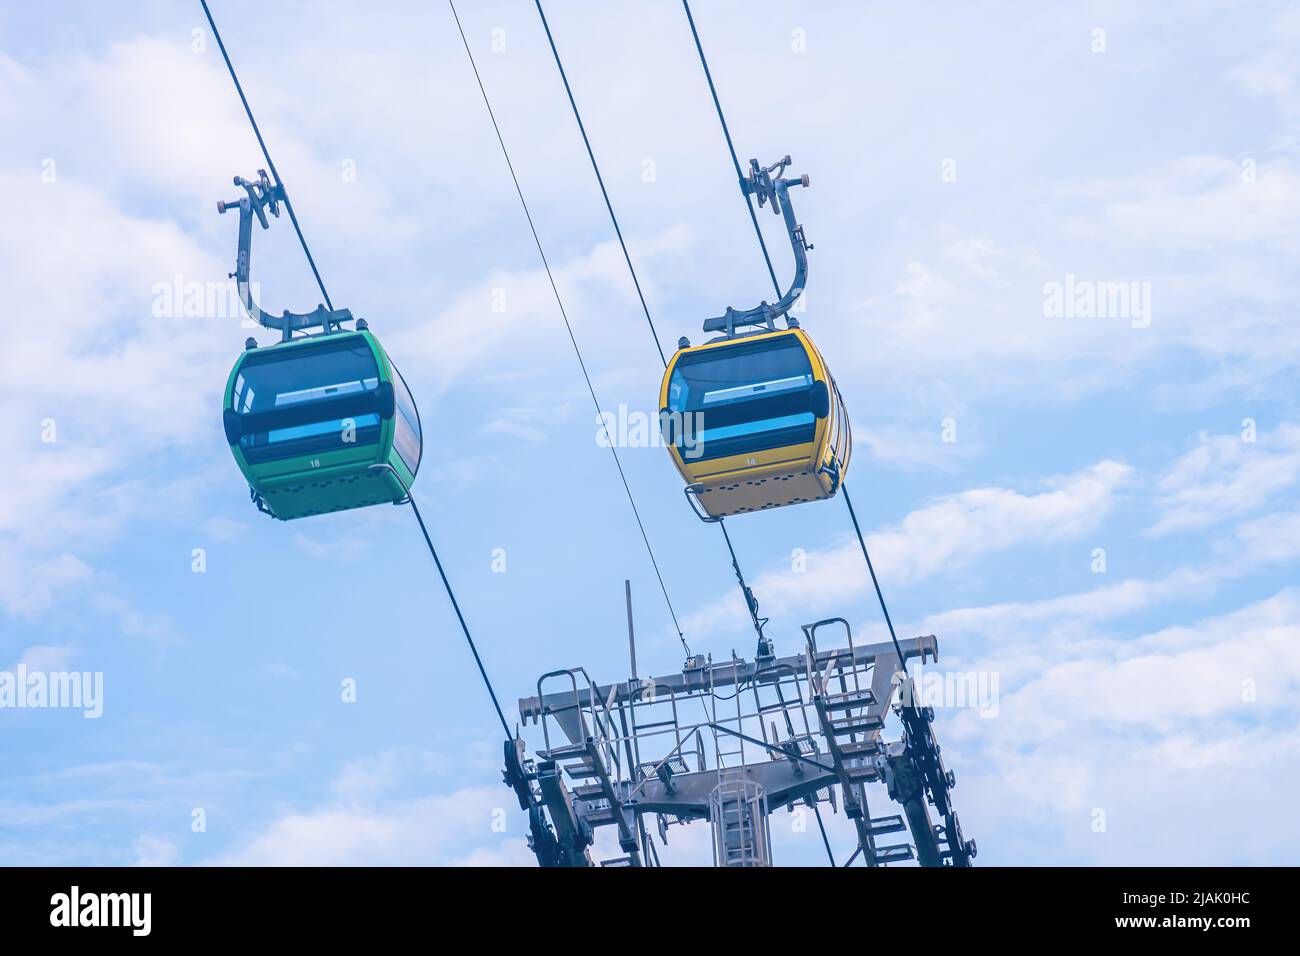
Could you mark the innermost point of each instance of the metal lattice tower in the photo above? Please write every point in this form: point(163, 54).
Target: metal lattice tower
point(731, 743)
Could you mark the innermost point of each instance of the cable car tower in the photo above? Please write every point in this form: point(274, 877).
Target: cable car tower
point(733, 742)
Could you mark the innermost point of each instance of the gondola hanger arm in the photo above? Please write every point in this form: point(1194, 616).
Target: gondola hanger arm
point(262, 196)
point(768, 185)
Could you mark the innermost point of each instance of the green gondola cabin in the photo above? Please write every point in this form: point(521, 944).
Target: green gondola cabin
point(322, 423)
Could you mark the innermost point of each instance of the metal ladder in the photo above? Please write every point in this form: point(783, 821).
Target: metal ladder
point(738, 812)
point(593, 758)
point(851, 718)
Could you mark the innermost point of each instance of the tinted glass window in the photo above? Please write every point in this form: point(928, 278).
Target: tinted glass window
point(743, 398)
point(304, 373)
point(407, 438)
point(297, 378)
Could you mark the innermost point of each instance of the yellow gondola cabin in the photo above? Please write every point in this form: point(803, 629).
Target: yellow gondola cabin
point(755, 422)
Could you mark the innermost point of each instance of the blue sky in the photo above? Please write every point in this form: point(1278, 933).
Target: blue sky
point(1161, 691)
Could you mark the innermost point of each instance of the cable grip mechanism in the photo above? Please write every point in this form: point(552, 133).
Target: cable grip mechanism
point(261, 196)
point(769, 186)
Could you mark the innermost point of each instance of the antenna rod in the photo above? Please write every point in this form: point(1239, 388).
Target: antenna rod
point(631, 635)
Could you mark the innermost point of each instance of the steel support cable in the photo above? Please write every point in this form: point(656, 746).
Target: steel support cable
point(726, 133)
point(601, 181)
point(451, 594)
point(275, 174)
point(826, 841)
point(751, 603)
point(862, 543)
point(567, 325)
point(455, 605)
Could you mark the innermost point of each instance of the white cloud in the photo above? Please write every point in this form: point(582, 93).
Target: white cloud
point(47, 658)
point(1007, 620)
point(224, 530)
point(970, 306)
point(155, 851)
point(1069, 623)
point(1225, 477)
point(1180, 673)
point(372, 820)
point(1151, 732)
point(1198, 202)
point(954, 529)
point(944, 535)
point(512, 315)
point(1275, 71)
point(514, 429)
point(158, 629)
point(336, 548)
point(919, 445)
point(1274, 537)
point(28, 587)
